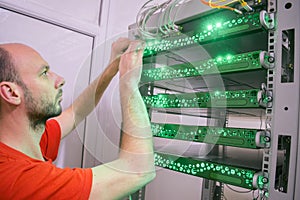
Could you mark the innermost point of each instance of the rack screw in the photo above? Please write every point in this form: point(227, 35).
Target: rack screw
point(265, 180)
point(267, 139)
point(271, 59)
point(269, 98)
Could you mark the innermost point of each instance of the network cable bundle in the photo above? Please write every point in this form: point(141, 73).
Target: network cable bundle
point(218, 60)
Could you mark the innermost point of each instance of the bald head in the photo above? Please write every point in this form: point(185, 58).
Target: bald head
point(13, 46)
point(19, 53)
point(18, 50)
point(13, 58)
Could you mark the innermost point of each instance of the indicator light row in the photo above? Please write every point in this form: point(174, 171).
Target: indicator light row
point(220, 64)
point(238, 176)
point(206, 33)
point(238, 137)
point(214, 99)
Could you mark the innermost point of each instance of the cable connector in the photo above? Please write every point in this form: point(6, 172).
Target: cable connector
point(246, 6)
point(237, 11)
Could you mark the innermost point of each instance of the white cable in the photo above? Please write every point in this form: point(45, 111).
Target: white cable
point(165, 24)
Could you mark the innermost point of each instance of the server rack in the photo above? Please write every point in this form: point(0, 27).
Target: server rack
point(223, 64)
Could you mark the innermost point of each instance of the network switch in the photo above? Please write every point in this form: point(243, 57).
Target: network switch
point(219, 65)
point(214, 99)
point(234, 175)
point(238, 137)
point(213, 27)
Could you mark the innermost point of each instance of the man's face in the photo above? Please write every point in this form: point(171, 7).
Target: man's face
point(42, 107)
point(42, 87)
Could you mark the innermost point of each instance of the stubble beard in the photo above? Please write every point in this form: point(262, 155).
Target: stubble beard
point(40, 110)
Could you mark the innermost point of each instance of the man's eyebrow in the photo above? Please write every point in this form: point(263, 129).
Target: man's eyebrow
point(44, 67)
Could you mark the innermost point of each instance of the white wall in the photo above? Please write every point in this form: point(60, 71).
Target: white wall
point(77, 13)
point(85, 11)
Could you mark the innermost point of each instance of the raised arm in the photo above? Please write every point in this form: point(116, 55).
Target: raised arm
point(90, 97)
point(135, 166)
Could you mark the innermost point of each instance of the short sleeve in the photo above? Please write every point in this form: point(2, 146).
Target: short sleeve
point(51, 139)
point(23, 177)
point(43, 180)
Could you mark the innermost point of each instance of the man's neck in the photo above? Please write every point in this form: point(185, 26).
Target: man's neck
point(18, 134)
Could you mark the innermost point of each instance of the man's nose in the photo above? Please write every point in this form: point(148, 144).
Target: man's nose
point(60, 81)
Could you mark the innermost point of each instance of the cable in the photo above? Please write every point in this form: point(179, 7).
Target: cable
point(218, 5)
point(165, 24)
point(143, 16)
point(178, 2)
point(245, 6)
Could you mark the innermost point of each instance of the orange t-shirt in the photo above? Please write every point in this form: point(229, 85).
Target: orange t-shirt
point(22, 177)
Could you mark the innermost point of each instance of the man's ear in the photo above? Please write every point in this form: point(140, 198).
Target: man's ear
point(10, 93)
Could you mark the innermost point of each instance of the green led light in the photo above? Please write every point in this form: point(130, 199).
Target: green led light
point(244, 138)
point(219, 59)
point(206, 33)
point(230, 99)
point(229, 57)
point(217, 93)
point(220, 64)
point(242, 177)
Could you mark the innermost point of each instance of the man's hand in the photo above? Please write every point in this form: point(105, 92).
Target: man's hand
point(117, 49)
point(131, 64)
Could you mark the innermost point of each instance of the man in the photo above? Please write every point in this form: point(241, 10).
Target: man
point(32, 123)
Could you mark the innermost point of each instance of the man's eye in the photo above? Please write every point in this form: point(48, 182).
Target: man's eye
point(45, 73)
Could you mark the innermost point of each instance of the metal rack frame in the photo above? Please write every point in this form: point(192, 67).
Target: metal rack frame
point(282, 114)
